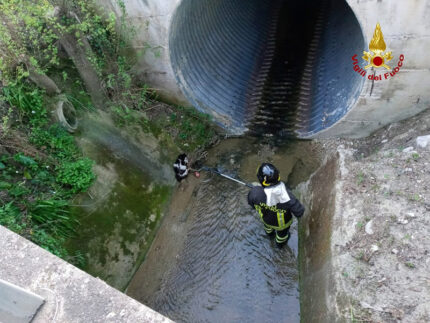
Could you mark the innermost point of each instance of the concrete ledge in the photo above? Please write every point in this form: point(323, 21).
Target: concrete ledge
point(16, 304)
point(70, 294)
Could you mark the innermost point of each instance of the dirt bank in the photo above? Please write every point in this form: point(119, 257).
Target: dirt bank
point(376, 265)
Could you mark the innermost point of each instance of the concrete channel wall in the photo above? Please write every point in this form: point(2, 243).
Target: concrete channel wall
point(318, 195)
point(70, 294)
point(405, 26)
point(150, 20)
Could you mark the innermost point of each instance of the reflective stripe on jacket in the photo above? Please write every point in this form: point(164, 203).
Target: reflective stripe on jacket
point(280, 218)
point(275, 205)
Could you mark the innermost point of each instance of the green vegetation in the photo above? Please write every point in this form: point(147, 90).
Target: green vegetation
point(360, 178)
point(28, 101)
point(37, 180)
point(186, 127)
point(31, 37)
point(31, 30)
point(414, 197)
point(409, 265)
point(407, 236)
point(52, 46)
point(175, 127)
point(77, 175)
point(42, 168)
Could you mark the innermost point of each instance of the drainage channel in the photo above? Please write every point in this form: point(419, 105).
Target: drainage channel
point(211, 260)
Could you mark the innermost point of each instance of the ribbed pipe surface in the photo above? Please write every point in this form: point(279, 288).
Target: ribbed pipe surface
point(268, 67)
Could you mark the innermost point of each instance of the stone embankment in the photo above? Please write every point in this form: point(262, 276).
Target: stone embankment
point(365, 246)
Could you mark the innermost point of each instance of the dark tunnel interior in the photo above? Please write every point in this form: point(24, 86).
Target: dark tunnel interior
point(268, 68)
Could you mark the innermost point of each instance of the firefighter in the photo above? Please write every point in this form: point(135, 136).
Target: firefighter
point(275, 203)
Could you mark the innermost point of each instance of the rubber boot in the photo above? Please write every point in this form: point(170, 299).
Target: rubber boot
point(283, 241)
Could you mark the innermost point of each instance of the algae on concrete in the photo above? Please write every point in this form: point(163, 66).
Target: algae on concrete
point(123, 209)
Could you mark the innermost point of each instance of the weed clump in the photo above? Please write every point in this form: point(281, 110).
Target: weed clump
point(37, 183)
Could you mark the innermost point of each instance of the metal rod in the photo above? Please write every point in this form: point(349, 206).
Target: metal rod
point(226, 176)
point(236, 180)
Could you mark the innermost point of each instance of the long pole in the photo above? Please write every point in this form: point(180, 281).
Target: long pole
point(226, 176)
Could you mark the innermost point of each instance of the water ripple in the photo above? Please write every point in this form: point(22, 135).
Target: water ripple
point(229, 270)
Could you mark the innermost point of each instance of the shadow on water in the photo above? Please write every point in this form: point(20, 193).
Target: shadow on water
point(227, 269)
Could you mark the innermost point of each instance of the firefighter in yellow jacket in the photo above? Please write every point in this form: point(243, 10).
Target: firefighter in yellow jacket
point(275, 203)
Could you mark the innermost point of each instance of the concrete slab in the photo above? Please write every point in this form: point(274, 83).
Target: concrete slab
point(70, 294)
point(17, 305)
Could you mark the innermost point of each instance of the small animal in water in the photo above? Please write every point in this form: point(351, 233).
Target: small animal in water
point(181, 167)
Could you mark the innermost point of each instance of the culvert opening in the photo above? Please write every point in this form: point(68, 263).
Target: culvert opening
point(280, 67)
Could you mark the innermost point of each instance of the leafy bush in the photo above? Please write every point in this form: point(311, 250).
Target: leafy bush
point(48, 226)
point(19, 190)
point(27, 39)
point(12, 218)
point(36, 189)
point(56, 139)
point(78, 175)
point(25, 160)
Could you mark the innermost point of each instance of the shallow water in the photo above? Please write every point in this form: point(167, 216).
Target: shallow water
point(228, 269)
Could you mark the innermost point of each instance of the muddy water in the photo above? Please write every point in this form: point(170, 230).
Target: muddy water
point(222, 267)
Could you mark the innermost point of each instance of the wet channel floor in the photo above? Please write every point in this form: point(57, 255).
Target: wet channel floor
point(229, 270)
point(211, 260)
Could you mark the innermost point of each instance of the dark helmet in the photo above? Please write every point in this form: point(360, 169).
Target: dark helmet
point(268, 174)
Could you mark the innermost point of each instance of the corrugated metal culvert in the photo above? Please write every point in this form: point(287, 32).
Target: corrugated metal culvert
point(265, 67)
